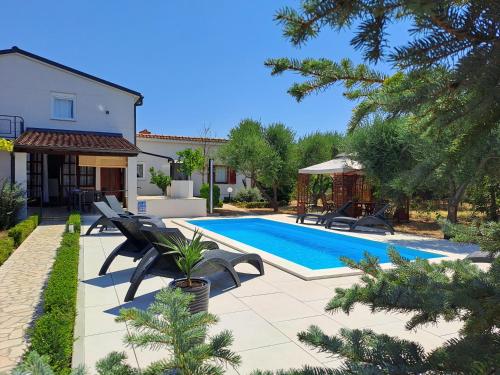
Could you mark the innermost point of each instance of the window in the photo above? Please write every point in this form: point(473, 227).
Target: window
point(140, 171)
point(220, 175)
point(63, 106)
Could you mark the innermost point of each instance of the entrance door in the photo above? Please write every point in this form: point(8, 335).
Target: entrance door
point(112, 182)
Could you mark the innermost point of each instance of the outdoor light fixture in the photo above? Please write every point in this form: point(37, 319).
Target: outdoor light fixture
point(229, 191)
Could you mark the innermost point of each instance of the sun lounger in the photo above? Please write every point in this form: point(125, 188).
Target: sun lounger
point(480, 257)
point(323, 218)
point(115, 207)
point(159, 262)
point(378, 219)
point(135, 244)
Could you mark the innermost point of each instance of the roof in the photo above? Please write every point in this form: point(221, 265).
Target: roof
point(146, 134)
point(19, 51)
point(340, 164)
point(75, 142)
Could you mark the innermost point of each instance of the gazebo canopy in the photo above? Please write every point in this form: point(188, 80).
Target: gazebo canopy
point(340, 164)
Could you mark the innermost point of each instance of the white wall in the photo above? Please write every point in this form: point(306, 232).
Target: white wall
point(170, 148)
point(25, 90)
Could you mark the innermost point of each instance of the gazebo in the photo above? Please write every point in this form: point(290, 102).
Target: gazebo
point(348, 184)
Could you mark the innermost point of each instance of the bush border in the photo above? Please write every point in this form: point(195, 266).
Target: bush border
point(52, 334)
point(16, 236)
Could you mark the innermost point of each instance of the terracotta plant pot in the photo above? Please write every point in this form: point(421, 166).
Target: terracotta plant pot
point(200, 289)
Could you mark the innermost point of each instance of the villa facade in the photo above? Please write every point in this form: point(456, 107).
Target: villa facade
point(75, 133)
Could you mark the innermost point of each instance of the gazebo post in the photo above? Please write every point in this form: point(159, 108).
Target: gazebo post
point(302, 192)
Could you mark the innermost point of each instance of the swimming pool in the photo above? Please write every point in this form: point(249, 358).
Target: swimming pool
point(311, 248)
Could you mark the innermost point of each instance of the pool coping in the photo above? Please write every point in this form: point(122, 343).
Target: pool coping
point(291, 267)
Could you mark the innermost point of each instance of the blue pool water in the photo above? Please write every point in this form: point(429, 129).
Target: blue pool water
point(308, 247)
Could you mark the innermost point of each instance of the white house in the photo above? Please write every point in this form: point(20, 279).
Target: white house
point(160, 152)
point(72, 131)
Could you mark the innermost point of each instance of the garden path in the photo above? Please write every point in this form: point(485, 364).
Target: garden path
point(22, 280)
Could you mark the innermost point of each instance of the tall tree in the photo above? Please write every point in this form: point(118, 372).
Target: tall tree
point(263, 154)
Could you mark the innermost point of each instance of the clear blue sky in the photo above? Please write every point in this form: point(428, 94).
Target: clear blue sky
point(196, 62)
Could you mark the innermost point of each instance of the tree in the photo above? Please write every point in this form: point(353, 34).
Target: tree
point(12, 199)
point(245, 149)
point(263, 154)
point(160, 179)
point(168, 324)
point(448, 77)
point(459, 37)
point(191, 161)
point(316, 148)
point(206, 133)
point(280, 170)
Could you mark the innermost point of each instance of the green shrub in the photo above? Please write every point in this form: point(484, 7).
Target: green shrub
point(205, 193)
point(22, 230)
point(52, 334)
point(248, 195)
point(74, 219)
point(12, 198)
point(6, 248)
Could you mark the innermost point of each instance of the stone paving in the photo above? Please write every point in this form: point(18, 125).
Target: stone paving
point(22, 279)
point(264, 314)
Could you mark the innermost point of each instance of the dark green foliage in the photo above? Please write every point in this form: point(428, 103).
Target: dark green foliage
point(248, 195)
point(205, 193)
point(21, 231)
point(16, 236)
point(12, 198)
point(486, 235)
point(52, 334)
point(168, 324)
point(114, 364)
point(432, 292)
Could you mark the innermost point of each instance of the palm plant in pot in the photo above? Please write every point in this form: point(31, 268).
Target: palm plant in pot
point(188, 253)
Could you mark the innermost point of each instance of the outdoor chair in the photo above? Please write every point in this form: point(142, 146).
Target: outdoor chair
point(324, 217)
point(377, 219)
point(480, 257)
point(135, 244)
point(116, 206)
point(160, 262)
point(110, 210)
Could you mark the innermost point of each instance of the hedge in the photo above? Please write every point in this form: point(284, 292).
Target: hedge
point(52, 334)
point(15, 237)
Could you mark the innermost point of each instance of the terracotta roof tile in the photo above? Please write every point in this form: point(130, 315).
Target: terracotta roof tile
point(180, 138)
point(91, 143)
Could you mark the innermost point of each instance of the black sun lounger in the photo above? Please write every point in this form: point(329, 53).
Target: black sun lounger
point(114, 208)
point(378, 219)
point(135, 244)
point(323, 218)
point(480, 257)
point(159, 262)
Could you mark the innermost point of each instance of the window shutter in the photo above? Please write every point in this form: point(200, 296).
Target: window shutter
point(232, 176)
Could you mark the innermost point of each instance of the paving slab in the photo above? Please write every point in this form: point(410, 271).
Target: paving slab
point(22, 280)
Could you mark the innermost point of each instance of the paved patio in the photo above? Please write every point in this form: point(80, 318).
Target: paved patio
point(22, 279)
point(264, 314)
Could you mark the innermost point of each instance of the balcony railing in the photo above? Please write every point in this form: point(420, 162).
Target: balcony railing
point(11, 127)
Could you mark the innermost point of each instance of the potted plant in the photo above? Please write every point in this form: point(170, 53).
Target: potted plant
point(160, 179)
point(188, 254)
